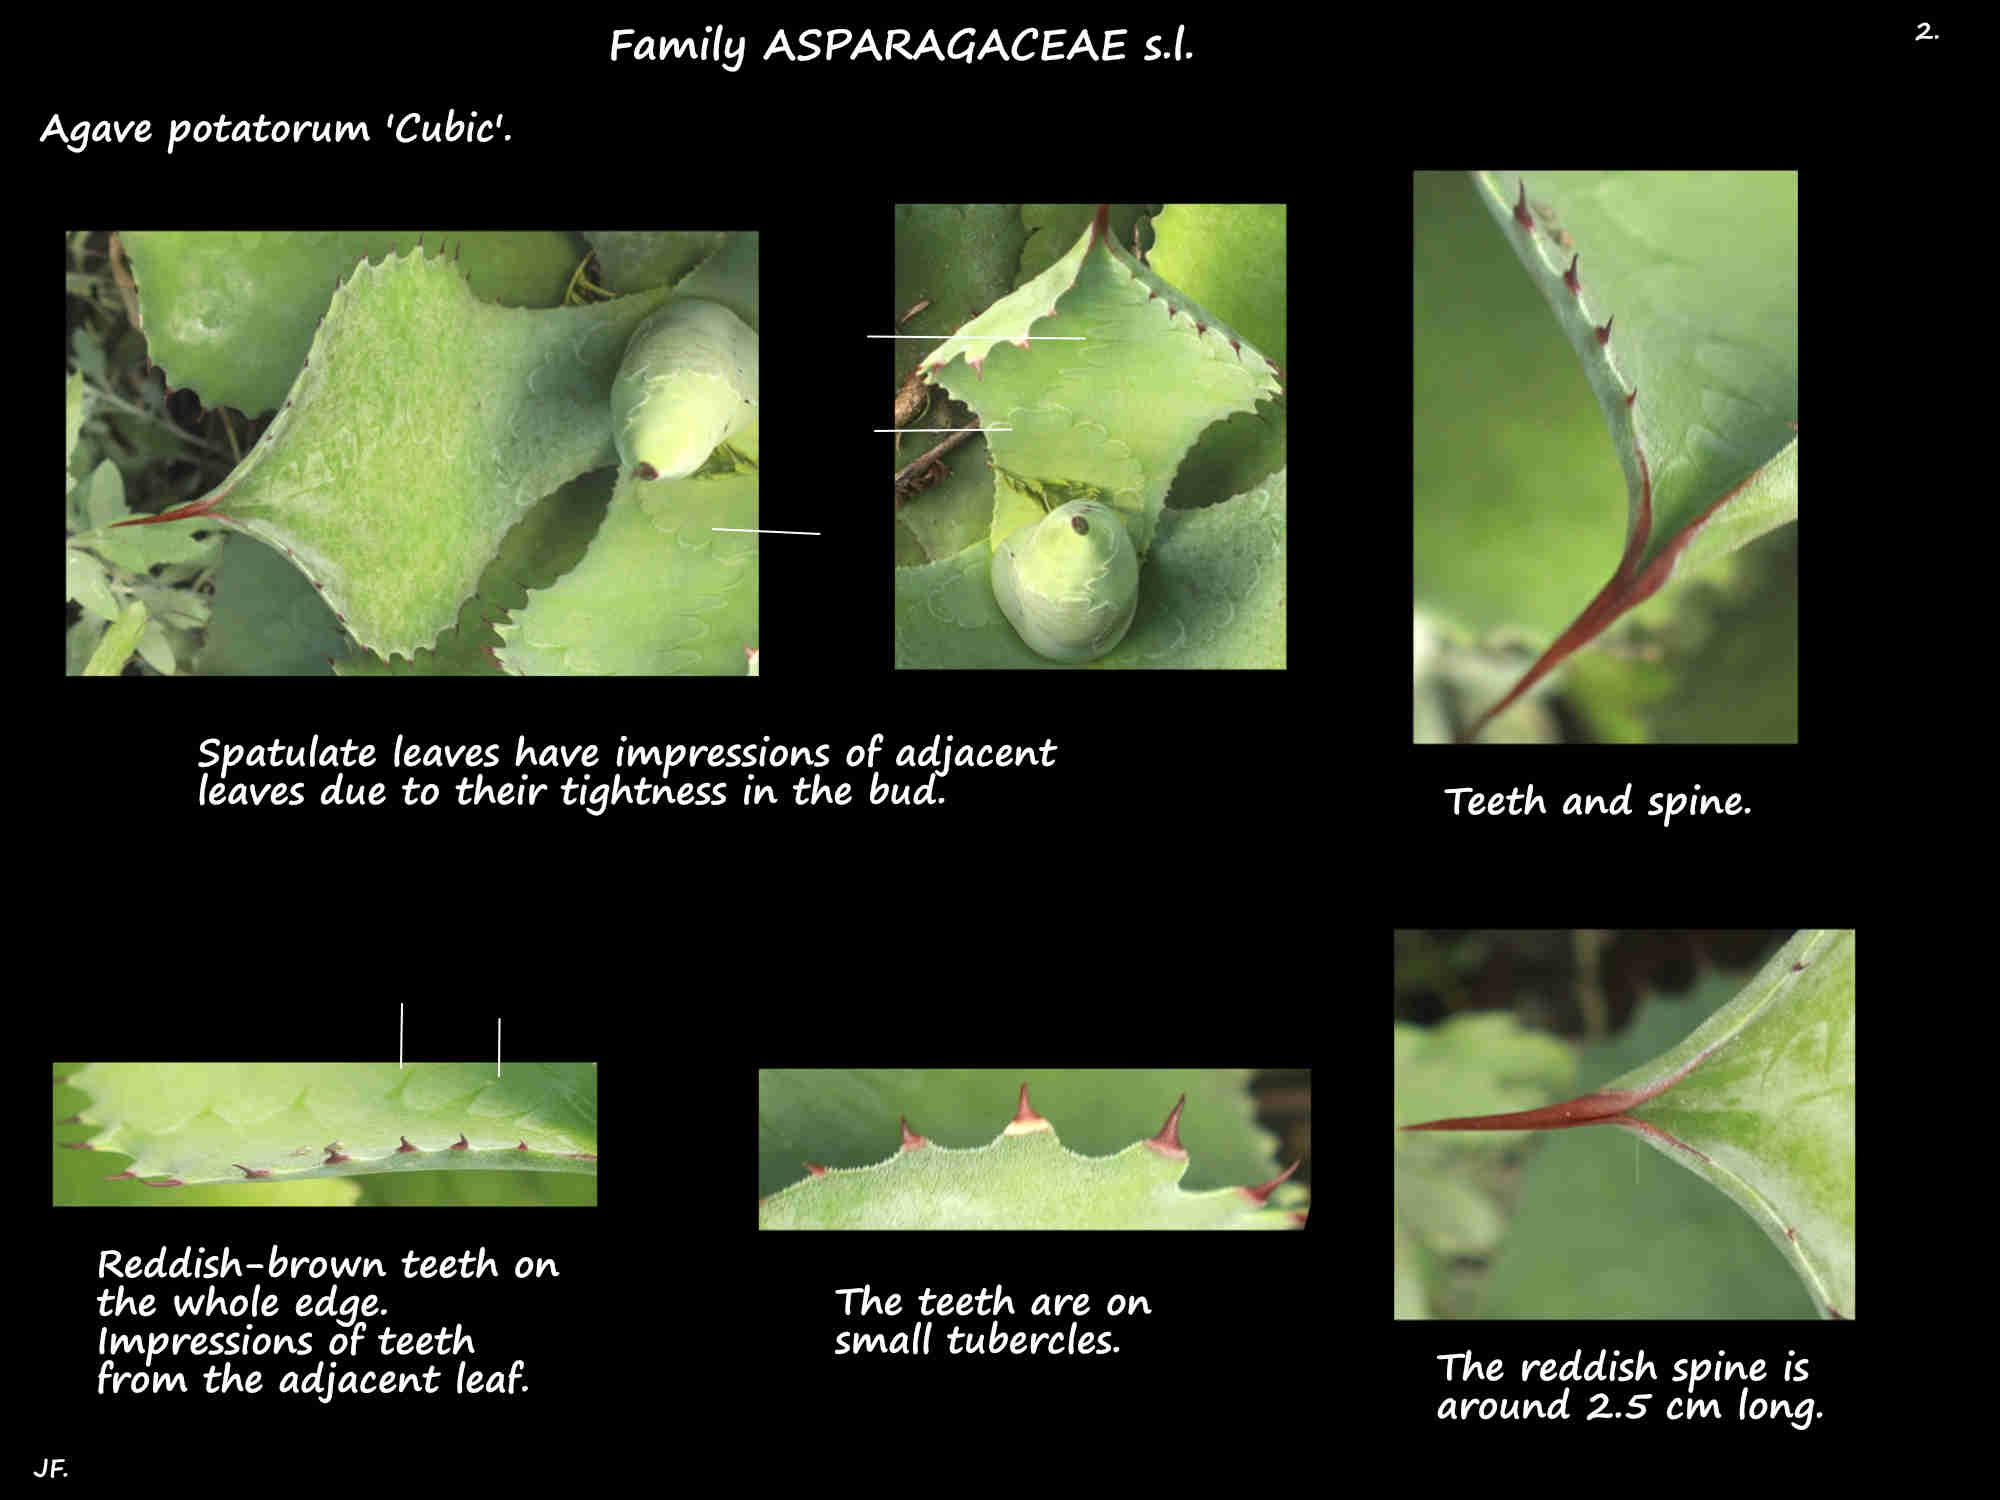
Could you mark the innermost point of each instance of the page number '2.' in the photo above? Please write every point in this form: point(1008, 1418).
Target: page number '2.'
point(1924, 32)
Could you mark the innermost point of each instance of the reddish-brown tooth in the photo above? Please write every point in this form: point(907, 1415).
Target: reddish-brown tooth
point(1263, 1191)
point(1024, 1113)
point(1168, 1141)
point(911, 1140)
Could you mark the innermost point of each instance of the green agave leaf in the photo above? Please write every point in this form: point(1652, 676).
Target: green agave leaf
point(637, 260)
point(268, 621)
point(1024, 1179)
point(1679, 294)
point(1231, 256)
point(661, 591)
point(231, 315)
point(845, 1117)
point(1159, 396)
point(1053, 228)
point(956, 258)
point(545, 544)
point(1758, 1101)
point(423, 425)
point(1109, 416)
point(188, 1123)
point(1767, 1112)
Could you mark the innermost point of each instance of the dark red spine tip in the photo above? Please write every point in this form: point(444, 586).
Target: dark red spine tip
point(1168, 1141)
point(1521, 210)
point(522, 1147)
point(463, 1143)
point(1604, 333)
point(333, 1158)
point(247, 1172)
point(1261, 1193)
point(1569, 276)
point(911, 1140)
point(1024, 1112)
point(406, 1146)
point(815, 1169)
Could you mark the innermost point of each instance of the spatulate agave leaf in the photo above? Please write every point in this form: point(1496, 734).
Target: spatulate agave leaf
point(1759, 1101)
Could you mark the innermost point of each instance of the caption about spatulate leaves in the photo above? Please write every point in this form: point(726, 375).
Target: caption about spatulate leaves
point(294, 1325)
point(1522, 802)
point(1612, 1386)
point(597, 779)
point(971, 1323)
